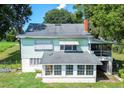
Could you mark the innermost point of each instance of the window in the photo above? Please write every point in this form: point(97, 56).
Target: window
point(57, 70)
point(80, 69)
point(35, 61)
point(69, 69)
point(61, 47)
point(43, 45)
point(68, 47)
point(74, 47)
point(48, 70)
point(89, 69)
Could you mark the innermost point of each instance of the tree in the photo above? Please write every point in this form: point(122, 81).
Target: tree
point(13, 16)
point(60, 16)
point(106, 21)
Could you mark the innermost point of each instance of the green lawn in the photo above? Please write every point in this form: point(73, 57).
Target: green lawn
point(27, 80)
point(5, 45)
point(11, 56)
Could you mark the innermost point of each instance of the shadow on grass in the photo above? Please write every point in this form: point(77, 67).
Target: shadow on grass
point(13, 58)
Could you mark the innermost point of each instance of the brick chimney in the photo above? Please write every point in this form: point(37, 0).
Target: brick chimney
point(85, 25)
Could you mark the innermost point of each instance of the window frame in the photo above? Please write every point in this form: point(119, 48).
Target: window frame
point(35, 61)
point(89, 69)
point(68, 71)
point(81, 71)
point(72, 48)
point(48, 71)
point(57, 71)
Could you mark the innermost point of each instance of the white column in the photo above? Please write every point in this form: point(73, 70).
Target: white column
point(43, 70)
point(94, 70)
point(63, 70)
point(75, 70)
point(109, 69)
point(85, 69)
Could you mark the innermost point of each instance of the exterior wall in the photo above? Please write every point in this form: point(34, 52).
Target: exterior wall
point(70, 78)
point(28, 51)
point(27, 68)
point(28, 47)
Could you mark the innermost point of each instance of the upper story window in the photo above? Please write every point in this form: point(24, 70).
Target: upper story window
point(68, 45)
point(43, 45)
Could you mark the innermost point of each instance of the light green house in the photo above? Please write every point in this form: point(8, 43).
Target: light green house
point(64, 53)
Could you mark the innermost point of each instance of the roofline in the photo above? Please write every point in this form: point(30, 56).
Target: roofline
point(83, 36)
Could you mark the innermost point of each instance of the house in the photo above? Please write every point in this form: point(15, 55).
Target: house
point(64, 53)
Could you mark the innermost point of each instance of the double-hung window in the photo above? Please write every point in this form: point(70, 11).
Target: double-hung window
point(89, 69)
point(57, 70)
point(69, 69)
point(48, 70)
point(80, 69)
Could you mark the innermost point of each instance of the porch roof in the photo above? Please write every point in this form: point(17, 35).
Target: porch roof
point(77, 58)
point(99, 41)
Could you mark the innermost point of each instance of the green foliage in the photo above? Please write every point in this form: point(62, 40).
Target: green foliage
point(106, 20)
point(118, 48)
point(56, 16)
point(13, 16)
point(38, 71)
point(121, 73)
point(11, 35)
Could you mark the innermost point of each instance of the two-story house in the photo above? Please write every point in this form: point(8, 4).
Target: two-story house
point(64, 53)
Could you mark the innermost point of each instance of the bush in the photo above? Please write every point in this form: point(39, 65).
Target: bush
point(115, 48)
point(118, 49)
point(38, 71)
point(121, 73)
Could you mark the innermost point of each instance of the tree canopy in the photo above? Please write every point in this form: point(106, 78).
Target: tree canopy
point(57, 16)
point(106, 20)
point(13, 17)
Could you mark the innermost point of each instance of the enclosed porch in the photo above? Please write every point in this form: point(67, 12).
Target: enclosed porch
point(69, 67)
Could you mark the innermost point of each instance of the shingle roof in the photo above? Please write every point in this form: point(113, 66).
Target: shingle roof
point(99, 41)
point(55, 31)
point(84, 58)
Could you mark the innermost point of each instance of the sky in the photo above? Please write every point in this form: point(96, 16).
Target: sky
point(39, 10)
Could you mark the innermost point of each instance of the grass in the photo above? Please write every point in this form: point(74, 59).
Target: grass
point(27, 80)
point(10, 58)
point(5, 45)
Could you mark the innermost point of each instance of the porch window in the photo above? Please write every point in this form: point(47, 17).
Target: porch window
point(89, 69)
point(69, 69)
point(80, 69)
point(35, 61)
point(57, 70)
point(48, 70)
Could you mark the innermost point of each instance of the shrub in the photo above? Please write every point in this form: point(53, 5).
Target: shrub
point(38, 71)
point(121, 73)
point(115, 48)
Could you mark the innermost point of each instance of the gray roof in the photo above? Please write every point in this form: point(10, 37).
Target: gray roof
point(55, 31)
point(83, 58)
point(100, 41)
